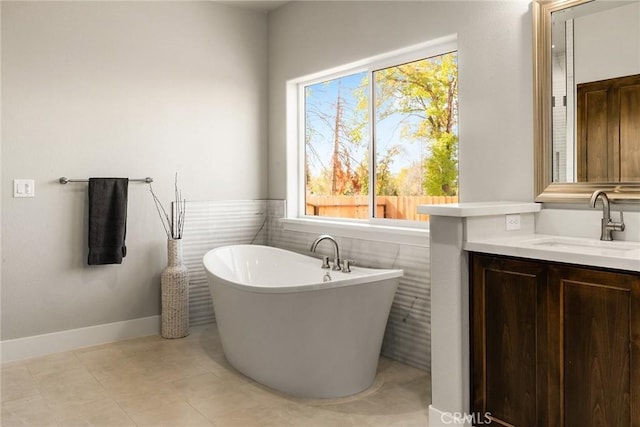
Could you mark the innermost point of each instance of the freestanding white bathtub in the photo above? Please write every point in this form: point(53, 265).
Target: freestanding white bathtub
point(281, 325)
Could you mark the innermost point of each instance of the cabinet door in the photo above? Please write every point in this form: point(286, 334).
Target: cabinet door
point(508, 333)
point(608, 143)
point(594, 343)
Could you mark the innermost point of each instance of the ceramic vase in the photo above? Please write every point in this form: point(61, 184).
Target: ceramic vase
point(175, 293)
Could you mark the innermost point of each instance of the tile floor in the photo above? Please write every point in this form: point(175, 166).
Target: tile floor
point(187, 382)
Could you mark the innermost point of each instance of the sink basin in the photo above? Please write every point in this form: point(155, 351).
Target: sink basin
point(587, 246)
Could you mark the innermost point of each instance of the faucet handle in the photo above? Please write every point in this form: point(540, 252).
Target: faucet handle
point(347, 265)
point(325, 262)
point(618, 226)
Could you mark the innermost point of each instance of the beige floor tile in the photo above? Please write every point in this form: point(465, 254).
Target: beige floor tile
point(414, 419)
point(206, 385)
point(54, 363)
point(217, 365)
point(420, 386)
point(154, 369)
point(358, 406)
point(152, 381)
point(140, 345)
point(16, 382)
point(137, 375)
point(30, 411)
point(396, 372)
point(389, 405)
point(107, 357)
point(104, 413)
point(154, 353)
point(266, 396)
point(318, 416)
point(121, 385)
point(70, 387)
point(220, 404)
point(398, 400)
point(258, 416)
point(163, 410)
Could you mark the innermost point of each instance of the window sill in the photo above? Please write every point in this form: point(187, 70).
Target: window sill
point(362, 231)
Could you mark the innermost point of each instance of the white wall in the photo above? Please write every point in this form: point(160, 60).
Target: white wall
point(607, 44)
point(495, 92)
point(130, 89)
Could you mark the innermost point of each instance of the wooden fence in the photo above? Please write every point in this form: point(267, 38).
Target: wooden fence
point(395, 207)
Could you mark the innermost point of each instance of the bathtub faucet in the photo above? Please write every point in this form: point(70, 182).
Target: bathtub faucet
point(336, 251)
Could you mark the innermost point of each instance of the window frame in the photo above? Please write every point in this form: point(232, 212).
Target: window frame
point(382, 229)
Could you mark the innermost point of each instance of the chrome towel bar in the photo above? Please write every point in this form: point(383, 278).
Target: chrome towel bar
point(65, 180)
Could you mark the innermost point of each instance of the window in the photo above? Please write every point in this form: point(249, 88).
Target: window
point(377, 139)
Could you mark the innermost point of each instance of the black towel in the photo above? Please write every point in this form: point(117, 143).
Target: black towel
point(107, 220)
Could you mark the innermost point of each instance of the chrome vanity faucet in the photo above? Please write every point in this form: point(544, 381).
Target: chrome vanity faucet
point(607, 225)
point(336, 251)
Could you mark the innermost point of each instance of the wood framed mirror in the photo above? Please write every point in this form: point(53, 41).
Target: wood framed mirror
point(560, 29)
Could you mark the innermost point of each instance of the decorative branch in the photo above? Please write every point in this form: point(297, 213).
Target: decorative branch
point(173, 225)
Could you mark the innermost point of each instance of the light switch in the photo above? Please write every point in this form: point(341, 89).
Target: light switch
point(24, 188)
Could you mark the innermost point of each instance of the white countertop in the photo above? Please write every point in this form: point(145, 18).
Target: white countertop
point(479, 208)
point(621, 255)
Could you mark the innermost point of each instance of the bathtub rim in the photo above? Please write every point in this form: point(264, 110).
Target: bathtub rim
point(344, 279)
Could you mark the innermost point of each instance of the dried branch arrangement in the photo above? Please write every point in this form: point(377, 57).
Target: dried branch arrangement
point(173, 225)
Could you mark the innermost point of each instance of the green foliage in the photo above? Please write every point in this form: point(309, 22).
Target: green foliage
point(427, 89)
point(386, 184)
point(362, 174)
point(442, 167)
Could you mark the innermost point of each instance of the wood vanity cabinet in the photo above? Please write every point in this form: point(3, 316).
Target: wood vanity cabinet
point(554, 345)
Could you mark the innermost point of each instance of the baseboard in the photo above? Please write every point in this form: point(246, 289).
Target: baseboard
point(41, 345)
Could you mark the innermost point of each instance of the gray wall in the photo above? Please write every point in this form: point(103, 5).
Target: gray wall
point(495, 72)
point(130, 89)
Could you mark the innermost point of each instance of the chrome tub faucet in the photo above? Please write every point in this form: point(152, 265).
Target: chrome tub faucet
point(607, 225)
point(336, 251)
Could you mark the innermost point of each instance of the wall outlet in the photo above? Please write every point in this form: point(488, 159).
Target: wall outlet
point(512, 222)
point(24, 188)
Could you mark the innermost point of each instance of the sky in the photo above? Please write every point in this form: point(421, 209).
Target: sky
point(322, 96)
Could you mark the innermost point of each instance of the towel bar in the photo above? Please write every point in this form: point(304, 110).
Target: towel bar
point(65, 180)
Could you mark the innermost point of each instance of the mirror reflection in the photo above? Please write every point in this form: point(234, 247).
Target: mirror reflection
point(596, 92)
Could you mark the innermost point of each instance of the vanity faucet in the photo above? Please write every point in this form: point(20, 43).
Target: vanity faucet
point(607, 225)
point(336, 251)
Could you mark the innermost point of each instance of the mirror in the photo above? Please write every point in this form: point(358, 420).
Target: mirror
point(586, 89)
